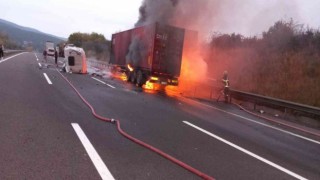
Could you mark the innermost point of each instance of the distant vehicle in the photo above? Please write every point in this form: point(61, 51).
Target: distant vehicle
point(150, 53)
point(75, 60)
point(49, 48)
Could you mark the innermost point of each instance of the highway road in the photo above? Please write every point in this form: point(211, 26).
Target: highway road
point(47, 132)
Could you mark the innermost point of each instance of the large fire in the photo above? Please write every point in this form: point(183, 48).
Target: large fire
point(187, 14)
point(193, 68)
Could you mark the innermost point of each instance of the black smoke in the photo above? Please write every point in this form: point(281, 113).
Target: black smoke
point(137, 51)
point(161, 11)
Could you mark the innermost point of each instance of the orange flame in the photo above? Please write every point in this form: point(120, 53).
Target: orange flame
point(123, 77)
point(118, 75)
point(172, 91)
point(148, 86)
point(193, 68)
point(130, 68)
point(152, 88)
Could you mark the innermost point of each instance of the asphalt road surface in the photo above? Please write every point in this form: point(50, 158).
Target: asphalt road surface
point(47, 132)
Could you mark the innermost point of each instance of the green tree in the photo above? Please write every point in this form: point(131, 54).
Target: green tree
point(94, 44)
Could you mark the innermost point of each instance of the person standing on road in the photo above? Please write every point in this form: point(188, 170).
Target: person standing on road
point(226, 87)
point(56, 57)
point(1, 51)
point(45, 55)
point(225, 79)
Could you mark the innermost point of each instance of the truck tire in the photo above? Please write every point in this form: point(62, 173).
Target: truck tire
point(128, 74)
point(133, 77)
point(140, 79)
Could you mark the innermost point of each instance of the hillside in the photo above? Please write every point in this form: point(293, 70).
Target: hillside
point(21, 35)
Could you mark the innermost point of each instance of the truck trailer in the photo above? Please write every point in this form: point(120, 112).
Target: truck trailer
point(151, 53)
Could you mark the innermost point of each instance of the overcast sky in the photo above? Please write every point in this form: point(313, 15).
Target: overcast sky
point(63, 17)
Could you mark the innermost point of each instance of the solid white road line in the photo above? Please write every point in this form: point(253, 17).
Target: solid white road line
point(47, 78)
point(103, 82)
point(111, 86)
point(251, 120)
point(247, 152)
point(1, 61)
point(93, 154)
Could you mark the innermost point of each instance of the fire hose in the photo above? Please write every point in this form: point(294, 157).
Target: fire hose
point(143, 144)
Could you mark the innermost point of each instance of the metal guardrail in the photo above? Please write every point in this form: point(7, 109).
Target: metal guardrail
point(9, 52)
point(259, 99)
point(97, 64)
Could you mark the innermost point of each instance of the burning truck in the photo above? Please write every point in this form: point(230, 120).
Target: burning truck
point(150, 54)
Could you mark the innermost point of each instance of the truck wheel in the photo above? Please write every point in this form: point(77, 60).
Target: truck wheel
point(140, 79)
point(128, 74)
point(133, 78)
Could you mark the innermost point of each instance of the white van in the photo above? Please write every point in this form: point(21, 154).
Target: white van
point(75, 60)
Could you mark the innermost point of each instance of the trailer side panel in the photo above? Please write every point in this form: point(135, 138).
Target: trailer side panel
point(168, 48)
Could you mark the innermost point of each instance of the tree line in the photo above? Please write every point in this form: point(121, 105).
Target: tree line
point(95, 45)
point(8, 44)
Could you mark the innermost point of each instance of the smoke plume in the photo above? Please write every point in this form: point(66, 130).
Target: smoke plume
point(189, 14)
point(137, 51)
point(208, 16)
point(248, 66)
point(245, 17)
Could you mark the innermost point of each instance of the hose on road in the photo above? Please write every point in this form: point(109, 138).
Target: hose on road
point(148, 146)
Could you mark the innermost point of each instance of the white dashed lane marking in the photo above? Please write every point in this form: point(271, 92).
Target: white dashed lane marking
point(93, 154)
point(103, 82)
